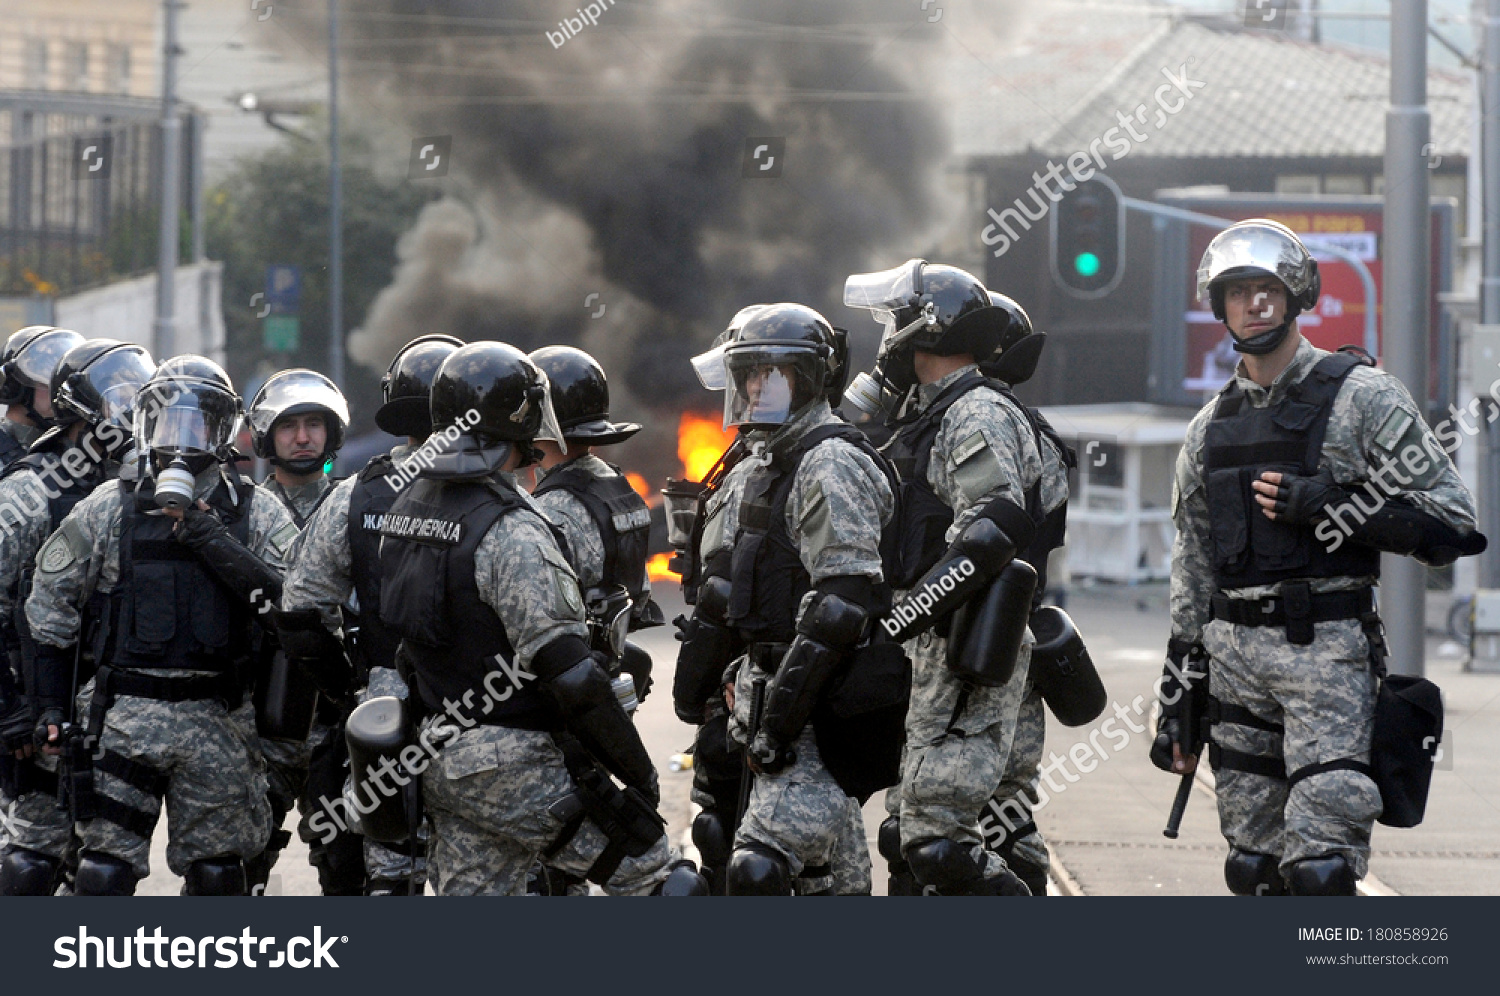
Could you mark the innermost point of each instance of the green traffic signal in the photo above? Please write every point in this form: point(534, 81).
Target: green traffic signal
point(1086, 264)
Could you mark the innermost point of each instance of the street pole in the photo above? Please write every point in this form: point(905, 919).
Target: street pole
point(163, 340)
point(1408, 299)
point(335, 209)
point(1489, 283)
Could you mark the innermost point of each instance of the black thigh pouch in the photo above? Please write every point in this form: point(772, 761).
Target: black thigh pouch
point(860, 724)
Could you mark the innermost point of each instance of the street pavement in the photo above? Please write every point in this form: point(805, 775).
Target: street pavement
point(1106, 805)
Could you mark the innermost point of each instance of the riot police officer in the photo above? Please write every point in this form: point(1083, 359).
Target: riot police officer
point(525, 728)
point(93, 391)
point(976, 490)
point(171, 571)
point(1272, 576)
point(298, 420)
point(793, 542)
point(338, 554)
point(27, 363)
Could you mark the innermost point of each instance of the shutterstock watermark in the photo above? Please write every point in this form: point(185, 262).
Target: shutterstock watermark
point(1170, 98)
point(424, 456)
point(160, 951)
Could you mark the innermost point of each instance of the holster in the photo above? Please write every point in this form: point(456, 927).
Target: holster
point(286, 700)
point(625, 816)
point(1407, 740)
point(75, 775)
point(1062, 670)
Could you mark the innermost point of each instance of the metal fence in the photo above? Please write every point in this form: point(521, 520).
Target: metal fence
point(81, 208)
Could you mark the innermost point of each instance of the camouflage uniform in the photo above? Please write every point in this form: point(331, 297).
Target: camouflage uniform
point(954, 763)
point(320, 576)
point(299, 500)
point(24, 525)
point(216, 799)
point(1018, 787)
point(1323, 693)
point(839, 502)
point(18, 440)
point(488, 792)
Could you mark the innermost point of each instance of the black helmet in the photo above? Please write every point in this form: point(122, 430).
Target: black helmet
point(297, 392)
point(925, 307)
point(188, 410)
point(408, 382)
point(1020, 346)
point(580, 396)
point(496, 398)
point(97, 382)
point(30, 358)
point(773, 339)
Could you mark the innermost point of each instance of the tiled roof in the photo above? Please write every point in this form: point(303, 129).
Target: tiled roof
point(1264, 94)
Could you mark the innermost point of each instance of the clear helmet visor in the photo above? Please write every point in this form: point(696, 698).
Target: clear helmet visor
point(183, 419)
point(888, 290)
point(39, 359)
point(550, 428)
point(109, 386)
point(768, 385)
point(304, 390)
point(709, 367)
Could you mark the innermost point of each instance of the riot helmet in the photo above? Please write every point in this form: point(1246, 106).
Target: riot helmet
point(580, 396)
point(1259, 247)
point(1019, 344)
point(30, 358)
point(783, 359)
point(487, 399)
point(186, 418)
point(406, 387)
point(923, 307)
point(97, 382)
point(297, 392)
point(709, 366)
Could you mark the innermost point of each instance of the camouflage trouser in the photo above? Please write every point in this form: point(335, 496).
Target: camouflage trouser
point(382, 861)
point(488, 794)
point(955, 758)
point(215, 780)
point(1009, 809)
point(32, 819)
point(1324, 695)
point(800, 812)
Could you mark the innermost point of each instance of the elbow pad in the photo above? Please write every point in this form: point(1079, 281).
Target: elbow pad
point(829, 628)
point(980, 553)
point(251, 579)
point(708, 645)
point(1401, 529)
point(593, 714)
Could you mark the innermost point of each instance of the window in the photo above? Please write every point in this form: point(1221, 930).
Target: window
point(1344, 183)
point(36, 63)
point(1296, 184)
point(117, 66)
point(76, 61)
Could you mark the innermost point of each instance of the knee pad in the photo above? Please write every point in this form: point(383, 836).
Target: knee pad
point(221, 876)
point(756, 870)
point(712, 838)
point(946, 866)
point(683, 880)
point(889, 840)
point(1250, 874)
point(1327, 876)
point(27, 873)
point(101, 874)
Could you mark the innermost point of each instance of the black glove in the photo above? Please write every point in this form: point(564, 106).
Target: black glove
point(17, 721)
point(1178, 701)
point(198, 529)
point(1302, 500)
point(310, 646)
point(768, 756)
point(51, 716)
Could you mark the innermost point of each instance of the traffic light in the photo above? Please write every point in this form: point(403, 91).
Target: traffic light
point(1088, 238)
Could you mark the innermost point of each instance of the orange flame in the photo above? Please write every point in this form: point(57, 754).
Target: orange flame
point(657, 570)
point(652, 498)
point(700, 441)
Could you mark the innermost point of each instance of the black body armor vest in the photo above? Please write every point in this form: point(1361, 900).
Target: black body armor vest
point(621, 516)
point(767, 579)
point(169, 611)
point(450, 638)
point(1241, 443)
point(369, 501)
point(920, 535)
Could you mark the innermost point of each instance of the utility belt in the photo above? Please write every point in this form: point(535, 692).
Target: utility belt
point(626, 817)
point(1297, 608)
